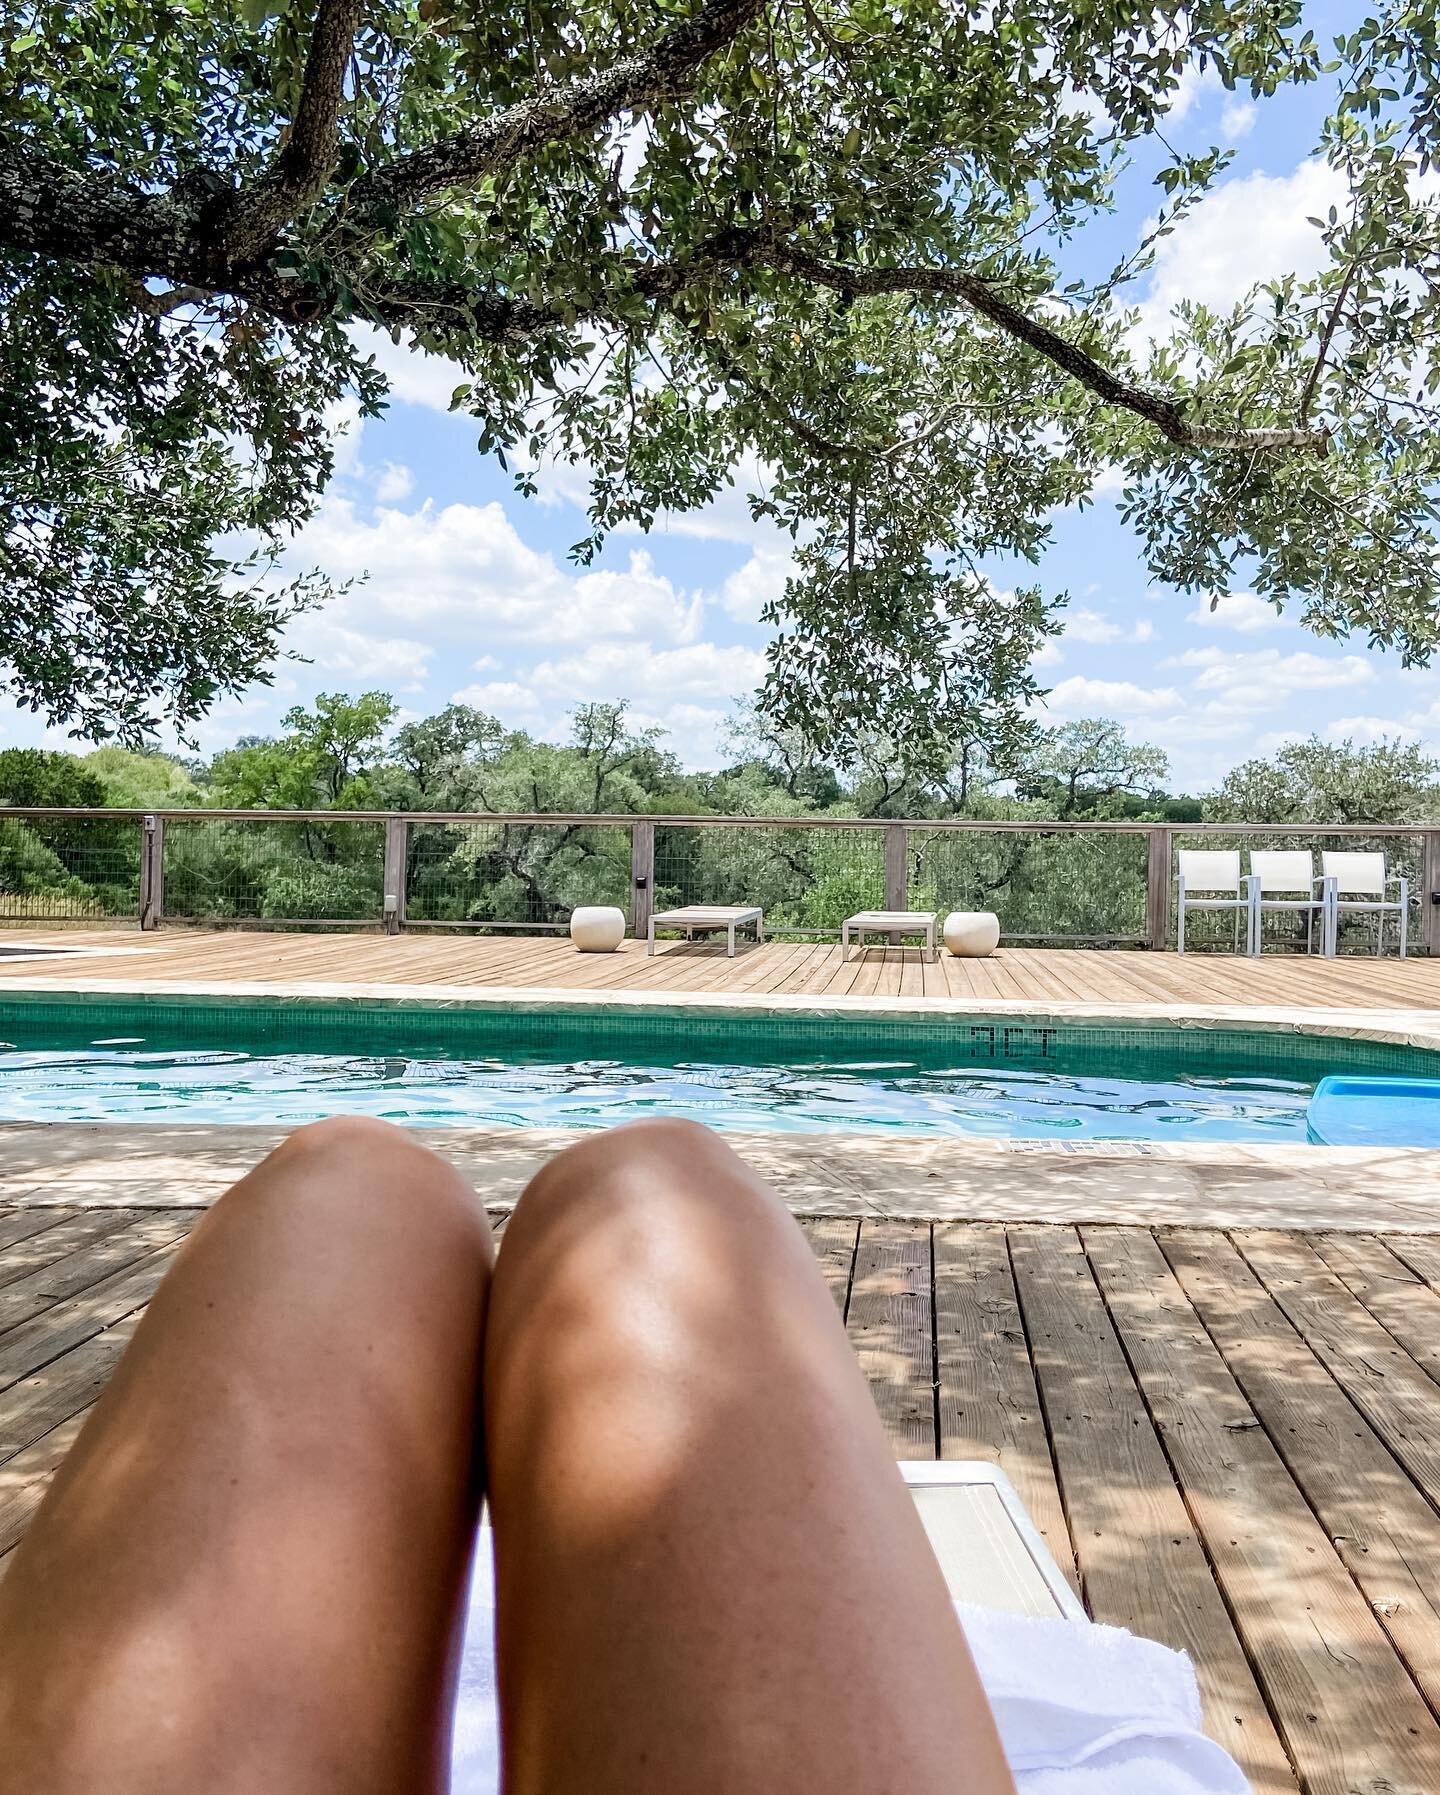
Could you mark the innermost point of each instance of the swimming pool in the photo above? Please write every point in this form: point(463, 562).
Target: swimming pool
point(987, 1077)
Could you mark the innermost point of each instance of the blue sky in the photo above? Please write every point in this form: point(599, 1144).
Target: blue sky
point(470, 595)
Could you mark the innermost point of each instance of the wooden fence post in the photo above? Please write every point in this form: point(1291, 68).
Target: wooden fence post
point(152, 872)
point(642, 876)
point(897, 896)
point(1157, 890)
point(1430, 883)
point(396, 873)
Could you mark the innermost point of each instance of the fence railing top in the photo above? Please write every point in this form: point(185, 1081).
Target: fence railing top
point(625, 819)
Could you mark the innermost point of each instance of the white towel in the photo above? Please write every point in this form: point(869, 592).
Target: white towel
point(1082, 1710)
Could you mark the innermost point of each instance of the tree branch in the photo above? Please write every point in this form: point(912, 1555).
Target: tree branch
point(97, 219)
point(824, 446)
point(93, 217)
point(161, 305)
point(1165, 414)
point(1326, 337)
point(660, 72)
point(493, 315)
point(301, 170)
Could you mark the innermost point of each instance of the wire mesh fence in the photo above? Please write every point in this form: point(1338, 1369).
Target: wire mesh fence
point(807, 881)
point(1292, 931)
point(1065, 886)
point(1046, 882)
point(60, 868)
point(254, 870)
point(513, 874)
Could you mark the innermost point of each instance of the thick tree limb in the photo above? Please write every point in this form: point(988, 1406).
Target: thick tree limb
point(94, 218)
point(1167, 415)
point(660, 72)
point(301, 171)
point(100, 220)
point(487, 313)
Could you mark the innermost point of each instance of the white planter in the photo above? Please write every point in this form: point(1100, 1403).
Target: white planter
point(597, 928)
point(972, 934)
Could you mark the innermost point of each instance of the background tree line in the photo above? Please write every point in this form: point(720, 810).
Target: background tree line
point(353, 753)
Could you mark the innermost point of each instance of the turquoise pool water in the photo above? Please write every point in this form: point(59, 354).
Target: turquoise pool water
point(103, 1061)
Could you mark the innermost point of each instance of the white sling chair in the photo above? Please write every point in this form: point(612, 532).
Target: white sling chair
point(1358, 883)
point(1286, 880)
point(1209, 879)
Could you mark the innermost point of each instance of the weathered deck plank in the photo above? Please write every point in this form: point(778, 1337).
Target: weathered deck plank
point(889, 1323)
point(1374, 1371)
point(94, 1246)
point(1269, 1554)
point(1141, 1561)
point(989, 1406)
point(1402, 1302)
point(833, 1240)
point(1383, 1528)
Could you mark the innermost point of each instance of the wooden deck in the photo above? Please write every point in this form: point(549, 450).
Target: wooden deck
point(813, 969)
point(1231, 1442)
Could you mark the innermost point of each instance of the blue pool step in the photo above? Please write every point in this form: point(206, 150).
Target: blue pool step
point(1375, 1112)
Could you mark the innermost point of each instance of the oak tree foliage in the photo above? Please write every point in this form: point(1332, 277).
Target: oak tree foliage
point(833, 241)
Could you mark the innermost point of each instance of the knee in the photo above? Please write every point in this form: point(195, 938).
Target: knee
point(359, 1163)
point(347, 1138)
point(625, 1159)
point(663, 1174)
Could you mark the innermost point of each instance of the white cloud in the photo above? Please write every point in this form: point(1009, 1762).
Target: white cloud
point(689, 692)
point(698, 733)
point(1237, 119)
point(462, 576)
point(395, 661)
point(752, 586)
point(1097, 627)
point(1369, 731)
point(659, 677)
point(414, 377)
point(1193, 82)
point(506, 699)
point(395, 482)
point(1265, 678)
point(344, 426)
point(1239, 611)
point(1250, 229)
point(725, 518)
point(1082, 697)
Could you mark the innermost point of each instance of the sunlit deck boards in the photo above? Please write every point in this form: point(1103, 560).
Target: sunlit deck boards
point(1230, 1441)
point(815, 969)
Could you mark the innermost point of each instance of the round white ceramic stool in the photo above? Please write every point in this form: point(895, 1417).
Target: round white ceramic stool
point(597, 928)
point(972, 934)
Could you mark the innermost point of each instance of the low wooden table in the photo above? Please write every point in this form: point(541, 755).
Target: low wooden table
point(888, 922)
point(698, 918)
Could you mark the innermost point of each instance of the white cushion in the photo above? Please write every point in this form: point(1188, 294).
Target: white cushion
point(1210, 869)
point(597, 928)
point(1362, 875)
point(1284, 870)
